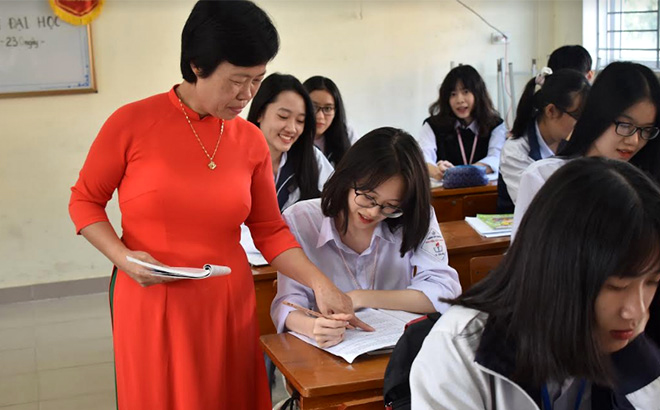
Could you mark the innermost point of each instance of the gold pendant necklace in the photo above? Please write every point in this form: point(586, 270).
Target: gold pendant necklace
point(211, 164)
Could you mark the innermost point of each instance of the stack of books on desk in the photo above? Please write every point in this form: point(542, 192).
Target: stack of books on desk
point(491, 226)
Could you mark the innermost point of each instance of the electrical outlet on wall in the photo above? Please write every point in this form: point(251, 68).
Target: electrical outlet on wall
point(498, 38)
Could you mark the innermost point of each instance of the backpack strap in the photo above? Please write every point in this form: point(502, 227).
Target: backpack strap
point(396, 387)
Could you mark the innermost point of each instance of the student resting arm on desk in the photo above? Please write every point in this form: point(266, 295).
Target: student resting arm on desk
point(372, 227)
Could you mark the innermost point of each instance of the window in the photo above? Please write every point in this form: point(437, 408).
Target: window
point(628, 30)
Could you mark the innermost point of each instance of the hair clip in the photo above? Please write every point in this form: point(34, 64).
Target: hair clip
point(540, 77)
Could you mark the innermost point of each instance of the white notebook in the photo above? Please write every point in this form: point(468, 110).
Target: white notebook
point(181, 272)
point(389, 325)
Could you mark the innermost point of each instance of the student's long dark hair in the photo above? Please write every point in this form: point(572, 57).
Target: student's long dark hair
point(559, 89)
point(336, 136)
point(593, 219)
point(618, 87)
point(483, 111)
point(378, 156)
point(302, 151)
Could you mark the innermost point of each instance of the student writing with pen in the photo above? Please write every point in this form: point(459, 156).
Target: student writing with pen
point(369, 231)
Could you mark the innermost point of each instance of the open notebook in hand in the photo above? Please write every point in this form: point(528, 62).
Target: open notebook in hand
point(389, 325)
point(182, 273)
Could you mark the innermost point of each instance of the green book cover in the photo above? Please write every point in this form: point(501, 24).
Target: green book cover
point(497, 221)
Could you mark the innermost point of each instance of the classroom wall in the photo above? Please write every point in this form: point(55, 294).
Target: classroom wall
point(388, 58)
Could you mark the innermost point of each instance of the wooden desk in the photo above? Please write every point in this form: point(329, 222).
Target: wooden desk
point(265, 289)
point(455, 204)
point(325, 381)
point(464, 243)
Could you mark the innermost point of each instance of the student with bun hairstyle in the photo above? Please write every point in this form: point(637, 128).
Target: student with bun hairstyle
point(332, 132)
point(560, 323)
point(547, 112)
point(374, 233)
point(619, 121)
point(463, 128)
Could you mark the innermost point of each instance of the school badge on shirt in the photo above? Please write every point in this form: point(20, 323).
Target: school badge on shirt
point(434, 245)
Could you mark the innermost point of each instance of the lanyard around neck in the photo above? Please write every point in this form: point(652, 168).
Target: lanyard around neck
point(547, 404)
point(474, 147)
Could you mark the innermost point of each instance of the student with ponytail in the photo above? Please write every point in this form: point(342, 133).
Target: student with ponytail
point(620, 121)
point(548, 110)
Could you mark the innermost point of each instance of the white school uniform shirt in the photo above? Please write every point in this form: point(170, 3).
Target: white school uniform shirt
point(380, 265)
point(325, 170)
point(426, 140)
point(530, 183)
point(445, 374)
point(515, 159)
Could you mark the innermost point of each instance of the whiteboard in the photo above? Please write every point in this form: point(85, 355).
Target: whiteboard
point(41, 54)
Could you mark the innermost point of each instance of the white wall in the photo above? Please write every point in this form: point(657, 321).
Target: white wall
point(388, 58)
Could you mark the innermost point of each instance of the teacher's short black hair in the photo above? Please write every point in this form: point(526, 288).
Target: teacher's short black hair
point(238, 32)
point(378, 156)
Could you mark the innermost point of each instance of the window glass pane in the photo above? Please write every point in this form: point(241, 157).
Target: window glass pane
point(635, 5)
point(638, 40)
point(638, 21)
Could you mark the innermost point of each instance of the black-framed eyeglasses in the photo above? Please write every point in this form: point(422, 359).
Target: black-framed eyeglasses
point(626, 129)
point(573, 114)
point(364, 200)
point(326, 109)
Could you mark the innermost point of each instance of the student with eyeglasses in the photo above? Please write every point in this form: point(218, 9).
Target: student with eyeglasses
point(371, 228)
point(619, 121)
point(333, 135)
point(547, 112)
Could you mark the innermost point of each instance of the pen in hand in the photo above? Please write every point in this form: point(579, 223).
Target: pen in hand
point(311, 312)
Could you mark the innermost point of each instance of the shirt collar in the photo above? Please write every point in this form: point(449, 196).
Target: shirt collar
point(474, 127)
point(328, 232)
point(546, 152)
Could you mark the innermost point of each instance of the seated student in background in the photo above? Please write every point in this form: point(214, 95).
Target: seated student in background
point(284, 113)
point(619, 121)
point(548, 109)
point(463, 128)
point(572, 57)
point(560, 323)
point(369, 232)
point(332, 133)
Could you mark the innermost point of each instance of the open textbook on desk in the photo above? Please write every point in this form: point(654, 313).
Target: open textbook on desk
point(389, 325)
